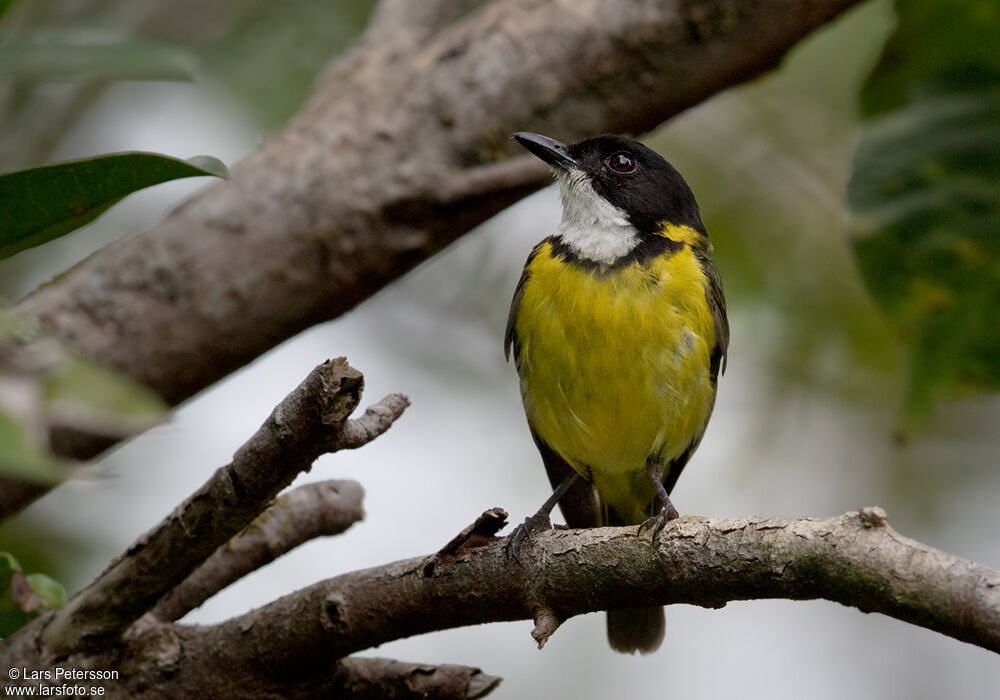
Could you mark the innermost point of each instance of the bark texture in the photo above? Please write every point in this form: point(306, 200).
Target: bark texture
point(293, 643)
point(315, 510)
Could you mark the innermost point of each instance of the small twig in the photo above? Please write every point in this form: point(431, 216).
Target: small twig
point(314, 510)
point(387, 678)
point(310, 421)
point(546, 624)
point(376, 420)
point(477, 534)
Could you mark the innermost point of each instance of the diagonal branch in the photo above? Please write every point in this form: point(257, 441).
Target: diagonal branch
point(314, 510)
point(310, 421)
point(361, 185)
point(855, 559)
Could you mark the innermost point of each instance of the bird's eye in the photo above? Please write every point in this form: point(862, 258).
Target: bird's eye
point(622, 163)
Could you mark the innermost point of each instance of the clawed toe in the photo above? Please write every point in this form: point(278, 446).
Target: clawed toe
point(523, 533)
point(659, 521)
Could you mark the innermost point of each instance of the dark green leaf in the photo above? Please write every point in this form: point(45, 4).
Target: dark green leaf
point(926, 194)
point(44, 203)
point(8, 565)
point(24, 597)
point(73, 54)
point(5, 5)
point(938, 46)
point(12, 617)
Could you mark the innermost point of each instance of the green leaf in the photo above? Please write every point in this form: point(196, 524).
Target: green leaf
point(51, 592)
point(4, 6)
point(12, 617)
point(24, 597)
point(8, 565)
point(43, 386)
point(22, 456)
point(925, 192)
point(75, 53)
point(937, 47)
point(96, 400)
point(40, 204)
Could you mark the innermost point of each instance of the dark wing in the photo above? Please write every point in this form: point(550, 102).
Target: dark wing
point(717, 304)
point(510, 337)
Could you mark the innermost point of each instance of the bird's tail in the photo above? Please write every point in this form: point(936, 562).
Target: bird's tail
point(633, 630)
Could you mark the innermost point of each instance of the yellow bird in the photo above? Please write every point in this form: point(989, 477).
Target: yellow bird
point(619, 332)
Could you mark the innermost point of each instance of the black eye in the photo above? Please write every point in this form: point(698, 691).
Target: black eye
point(622, 163)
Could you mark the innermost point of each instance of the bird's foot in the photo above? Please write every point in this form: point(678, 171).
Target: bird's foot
point(660, 520)
point(539, 522)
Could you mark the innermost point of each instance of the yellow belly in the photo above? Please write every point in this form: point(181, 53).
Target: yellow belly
point(614, 368)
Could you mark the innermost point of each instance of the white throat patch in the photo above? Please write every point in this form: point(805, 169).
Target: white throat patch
point(591, 226)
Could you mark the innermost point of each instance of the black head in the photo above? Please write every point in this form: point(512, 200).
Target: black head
point(629, 175)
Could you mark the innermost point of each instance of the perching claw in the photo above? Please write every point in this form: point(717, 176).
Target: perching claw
point(667, 512)
point(539, 522)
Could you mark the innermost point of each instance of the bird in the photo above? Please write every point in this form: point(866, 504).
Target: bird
point(619, 333)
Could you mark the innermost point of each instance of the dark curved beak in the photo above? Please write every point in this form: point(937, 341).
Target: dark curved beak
point(551, 151)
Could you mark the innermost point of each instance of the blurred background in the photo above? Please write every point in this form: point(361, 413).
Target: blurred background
point(825, 407)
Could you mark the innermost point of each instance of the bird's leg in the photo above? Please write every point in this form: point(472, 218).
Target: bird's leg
point(538, 522)
point(667, 512)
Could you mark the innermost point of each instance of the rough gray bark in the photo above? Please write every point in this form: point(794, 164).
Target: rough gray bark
point(314, 510)
point(293, 643)
point(392, 159)
point(855, 559)
point(311, 421)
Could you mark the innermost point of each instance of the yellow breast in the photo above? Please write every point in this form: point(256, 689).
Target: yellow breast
point(614, 366)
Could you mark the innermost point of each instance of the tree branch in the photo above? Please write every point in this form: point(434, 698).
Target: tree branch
point(396, 22)
point(314, 510)
point(361, 185)
point(310, 421)
point(855, 559)
point(289, 647)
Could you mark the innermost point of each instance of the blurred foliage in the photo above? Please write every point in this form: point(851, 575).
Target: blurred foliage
point(305, 34)
point(44, 387)
point(939, 46)
point(767, 161)
point(40, 204)
point(926, 194)
point(22, 596)
point(75, 53)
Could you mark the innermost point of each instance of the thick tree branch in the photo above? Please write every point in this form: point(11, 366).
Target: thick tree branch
point(293, 643)
point(407, 23)
point(855, 559)
point(314, 510)
point(368, 179)
point(310, 421)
